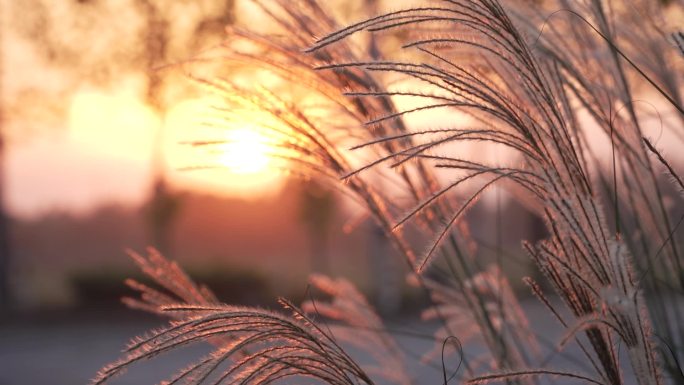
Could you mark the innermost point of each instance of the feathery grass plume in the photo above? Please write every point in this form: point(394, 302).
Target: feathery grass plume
point(497, 296)
point(167, 274)
point(368, 119)
point(279, 346)
point(361, 327)
point(607, 52)
point(253, 346)
point(522, 100)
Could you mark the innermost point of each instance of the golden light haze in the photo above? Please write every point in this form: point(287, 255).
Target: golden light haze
point(121, 126)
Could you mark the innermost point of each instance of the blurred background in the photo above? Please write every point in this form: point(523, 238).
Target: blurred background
point(94, 160)
point(96, 115)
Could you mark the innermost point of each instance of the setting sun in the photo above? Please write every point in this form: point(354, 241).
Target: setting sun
point(246, 152)
point(240, 166)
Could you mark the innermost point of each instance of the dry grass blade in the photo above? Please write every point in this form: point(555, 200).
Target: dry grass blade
point(530, 373)
point(167, 274)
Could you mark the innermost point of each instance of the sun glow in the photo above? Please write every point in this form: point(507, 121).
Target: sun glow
point(115, 125)
point(121, 128)
point(241, 165)
point(245, 152)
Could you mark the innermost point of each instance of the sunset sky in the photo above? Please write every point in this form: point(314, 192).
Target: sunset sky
point(79, 167)
point(75, 145)
point(91, 145)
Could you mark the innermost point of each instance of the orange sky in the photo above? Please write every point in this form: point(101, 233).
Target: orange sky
point(104, 155)
point(101, 151)
point(91, 146)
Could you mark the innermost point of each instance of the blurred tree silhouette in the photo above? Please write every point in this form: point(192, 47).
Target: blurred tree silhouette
point(164, 205)
point(317, 211)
